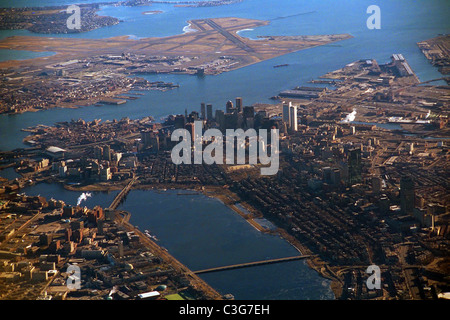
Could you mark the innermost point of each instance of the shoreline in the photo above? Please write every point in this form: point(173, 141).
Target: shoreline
point(226, 197)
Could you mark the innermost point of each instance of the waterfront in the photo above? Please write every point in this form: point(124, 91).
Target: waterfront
point(201, 232)
point(403, 26)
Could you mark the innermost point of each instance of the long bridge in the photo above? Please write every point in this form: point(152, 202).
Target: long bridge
point(122, 194)
point(252, 264)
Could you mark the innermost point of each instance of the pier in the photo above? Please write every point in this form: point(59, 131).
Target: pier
point(253, 264)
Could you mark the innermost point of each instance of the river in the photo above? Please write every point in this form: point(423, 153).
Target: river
point(201, 232)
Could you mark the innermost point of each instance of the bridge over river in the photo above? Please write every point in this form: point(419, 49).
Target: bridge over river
point(252, 264)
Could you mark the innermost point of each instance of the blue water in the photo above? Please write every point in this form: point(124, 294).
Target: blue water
point(9, 173)
point(201, 232)
point(7, 54)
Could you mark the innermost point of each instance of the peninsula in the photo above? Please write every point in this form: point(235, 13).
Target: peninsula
point(214, 47)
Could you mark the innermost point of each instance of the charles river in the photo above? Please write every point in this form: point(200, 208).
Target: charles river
point(200, 231)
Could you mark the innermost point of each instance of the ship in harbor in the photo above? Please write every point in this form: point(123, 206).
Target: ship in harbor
point(147, 233)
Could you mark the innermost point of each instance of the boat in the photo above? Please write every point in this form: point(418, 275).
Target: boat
point(281, 65)
point(147, 233)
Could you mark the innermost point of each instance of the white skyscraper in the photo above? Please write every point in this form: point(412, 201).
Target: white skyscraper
point(293, 117)
point(290, 116)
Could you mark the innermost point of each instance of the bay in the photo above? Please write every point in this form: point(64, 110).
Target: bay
point(404, 23)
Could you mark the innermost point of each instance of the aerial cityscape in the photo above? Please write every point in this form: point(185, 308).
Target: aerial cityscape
point(224, 150)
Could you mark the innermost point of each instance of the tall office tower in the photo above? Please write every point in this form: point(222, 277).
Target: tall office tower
point(107, 153)
point(248, 116)
point(193, 116)
point(239, 104)
point(154, 142)
point(179, 121)
point(249, 112)
point(145, 137)
point(293, 118)
point(286, 112)
point(220, 119)
point(191, 128)
point(203, 111)
point(209, 112)
point(407, 196)
point(231, 121)
point(336, 177)
point(229, 107)
point(354, 166)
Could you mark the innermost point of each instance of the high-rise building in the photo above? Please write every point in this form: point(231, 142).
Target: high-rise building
point(220, 119)
point(179, 121)
point(191, 128)
point(336, 177)
point(248, 116)
point(209, 112)
point(290, 116)
point(293, 118)
point(145, 137)
point(239, 104)
point(231, 121)
point(354, 166)
point(229, 107)
point(154, 142)
point(249, 112)
point(107, 153)
point(286, 112)
point(407, 195)
point(203, 111)
point(193, 116)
